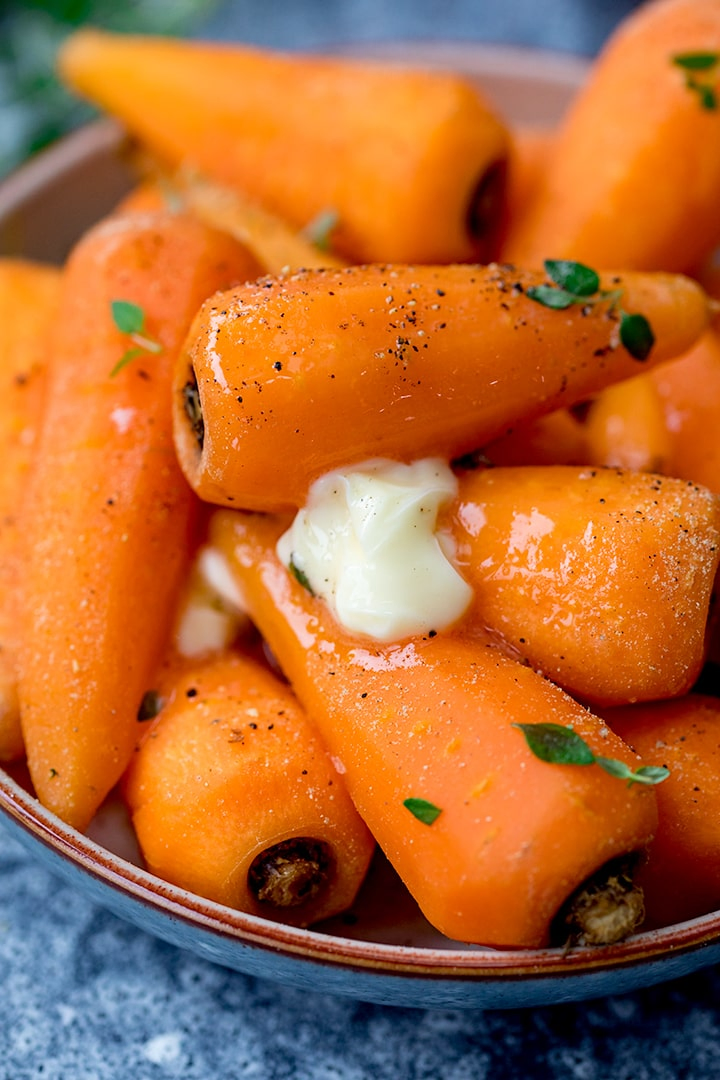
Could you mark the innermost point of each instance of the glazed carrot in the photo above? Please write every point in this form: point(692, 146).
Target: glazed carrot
point(626, 427)
point(234, 798)
point(432, 719)
point(109, 525)
point(283, 380)
point(634, 175)
point(599, 578)
point(29, 295)
point(689, 392)
point(557, 438)
point(530, 151)
point(681, 878)
point(412, 162)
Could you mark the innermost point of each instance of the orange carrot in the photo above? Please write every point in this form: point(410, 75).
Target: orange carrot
point(412, 162)
point(626, 427)
point(557, 438)
point(681, 878)
point(635, 171)
point(234, 798)
point(28, 309)
point(689, 393)
point(110, 516)
point(431, 719)
point(530, 151)
point(599, 578)
point(285, 379)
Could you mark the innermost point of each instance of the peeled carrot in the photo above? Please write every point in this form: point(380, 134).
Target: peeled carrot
point(599, 578)
point(689, 393)
point(635, 171)
point(626, 427)
point(285, 379)
point(530, 151)
point(557, 438)
point(29, 294)
point(412, 162)
point(681, 878)
point(110, 516)
point(432, 719)
point(234, 798)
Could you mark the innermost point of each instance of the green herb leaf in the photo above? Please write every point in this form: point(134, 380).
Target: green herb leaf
point(556, 744)
point(636, 335)
point(707, 95)
point(696, 61)
point(300, 575)
point(150, 706)
point(645, 774)
point(319, 231)
point(125, 359)
point(551, 297)
point(128, 317)
point(423, 810)
point(574, 277)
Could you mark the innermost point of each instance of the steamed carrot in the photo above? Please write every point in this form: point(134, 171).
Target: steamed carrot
point(108, 529)
point(233, 796)
point(635, 170)
point(626, 427)
point(432, 719)
point(530, 152)
point(285, 379)
point(29, 294)
point(412, 162)
point(681, 878)
point(599, 578)
point(557, 438)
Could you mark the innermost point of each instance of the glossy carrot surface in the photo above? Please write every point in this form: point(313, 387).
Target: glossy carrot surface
point(234, 797)
point(109, 526)
point(29, 309)
point(432, 719)
point(288, 378)
point(412, 162)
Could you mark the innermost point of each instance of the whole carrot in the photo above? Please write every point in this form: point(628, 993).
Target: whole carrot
point(681, 878)
point(288, 378)
point(29, 295)
point(601, 579)
point(411, 162)
point(110, 517)
point(490, 840)
point(234, 798)
point(633, 177)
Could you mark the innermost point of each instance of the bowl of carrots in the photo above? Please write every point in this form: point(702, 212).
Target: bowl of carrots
point(361, 511)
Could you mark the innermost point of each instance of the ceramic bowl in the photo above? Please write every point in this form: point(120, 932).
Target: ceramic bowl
point(383, 950)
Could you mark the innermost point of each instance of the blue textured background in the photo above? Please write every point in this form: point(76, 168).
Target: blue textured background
point(85, 996)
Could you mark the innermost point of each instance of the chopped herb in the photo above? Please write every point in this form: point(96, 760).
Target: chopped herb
point(574, 283)
point(319, 231)
point(423, 810)
point(560, 745)
point(150, 706)
point(706, 63)
point(129, 318)
point(300, 575)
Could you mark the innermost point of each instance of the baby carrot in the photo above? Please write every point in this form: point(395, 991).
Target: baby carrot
point(29, 294)
point(556, 438)
point(234, 798)
point(412, 162)
point(288, 378)
point(489, 839)
point(110, 516)
point(600, 578)
point(625, 426)
point(681, 878)
point(633, 177)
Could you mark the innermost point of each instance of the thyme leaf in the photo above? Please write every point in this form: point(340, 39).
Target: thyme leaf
point(300, 576)
point(560, 745)
point(423, 810)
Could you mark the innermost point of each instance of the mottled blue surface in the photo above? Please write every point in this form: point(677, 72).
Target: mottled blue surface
point(86, 996)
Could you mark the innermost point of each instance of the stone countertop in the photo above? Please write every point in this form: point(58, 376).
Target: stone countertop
point(86, 996)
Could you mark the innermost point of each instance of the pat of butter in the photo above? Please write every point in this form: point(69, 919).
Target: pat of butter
point(367, 543)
